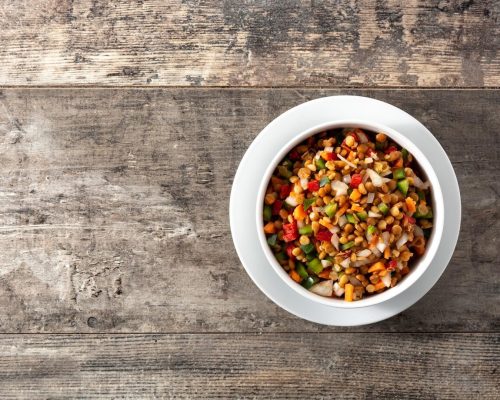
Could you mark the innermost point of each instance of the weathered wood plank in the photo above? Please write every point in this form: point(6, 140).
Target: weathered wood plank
point(287, 366)
point(237, 43)
point(113, 211)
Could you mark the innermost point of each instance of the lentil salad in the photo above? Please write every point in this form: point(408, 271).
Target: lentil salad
point(345, 213)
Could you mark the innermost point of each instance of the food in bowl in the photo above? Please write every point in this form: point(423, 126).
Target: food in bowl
point(346, 212)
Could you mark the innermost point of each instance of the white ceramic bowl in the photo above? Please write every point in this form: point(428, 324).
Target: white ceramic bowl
point(417, 269)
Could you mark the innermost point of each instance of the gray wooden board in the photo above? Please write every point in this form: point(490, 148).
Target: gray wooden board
point(114, 210)
point(410, 43)
point(287, 366)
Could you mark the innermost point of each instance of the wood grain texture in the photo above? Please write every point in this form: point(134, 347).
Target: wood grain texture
point(114, 210)
point(286, 366)
point(237, 43)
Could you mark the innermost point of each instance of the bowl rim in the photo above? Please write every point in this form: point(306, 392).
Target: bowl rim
point(438, 209)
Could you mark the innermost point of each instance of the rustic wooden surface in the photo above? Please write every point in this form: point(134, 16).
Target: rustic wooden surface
point(378, 366)
point(263, 43)
point(118, 278)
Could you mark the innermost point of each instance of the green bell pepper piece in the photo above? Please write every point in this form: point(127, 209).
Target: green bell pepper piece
point(330, 209)
point(301, 270)
point(323, 181)
point(351, 218)
point(309, 202)
point(399, 174)
point(384, 209)
point(347, 246)
point(306, 230)
point(268, 212)
point(315, 266)
point(403, 186)
point(307, 248)
point(309, 281)
point(271, 240)
point(362, 215)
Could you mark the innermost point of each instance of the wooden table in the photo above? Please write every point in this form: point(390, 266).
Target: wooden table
point(122, 124)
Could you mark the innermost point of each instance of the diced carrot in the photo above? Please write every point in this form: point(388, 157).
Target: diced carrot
point(349, 291)
point(383, 273)
point(410, 205)
point(270, 198)
point(342, 210)
point(387, 253)
point(378, 266)
point(299, 214)
point(295, 276)
point(327, 225)
point(269, 228)
point(399, 163)
point(357, 208)
point(325, 274)
point(379, 285)
point(355, 195)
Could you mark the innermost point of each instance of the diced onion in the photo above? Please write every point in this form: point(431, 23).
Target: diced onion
point(360, 263)
point(337, 289)
point(361, 135)
point(326, 263)
point(335, 241)
point(417, 230)
point(291, 201)
point(342, 220)
point(354, 281)
point(368, 160)
point(402, 240)
point(346, 262)
point(400, 265)
point(370, 197)
point(324, 288)
point(329, 149)
point(376, 179)
point(340, 188)
point(300, 223)
point(417, 182)
point(347, 162)
point(363, 253)
point(385, 173)
point(386, 279)
point(347, 179)
point(385, 237)
point(376, 252)
point(335, 229)
point(372, 214)
point(304, 182)
point(381, 246)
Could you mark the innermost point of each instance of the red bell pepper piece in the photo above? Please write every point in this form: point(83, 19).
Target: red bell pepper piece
point(410, 220)
point(324, 235)
point(356, 179)
point(329, 156)
point(277, 207)
point(290, 232)
point(294, 155)
point(391, 265)
point(313, 186)
point(285, 191)
point(289, 249)
point(390, 149)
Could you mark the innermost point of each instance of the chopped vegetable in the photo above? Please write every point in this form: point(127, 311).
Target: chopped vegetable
point(309, 202)
point(313, 186)
point(306, 230)
point(301, 270)
point(399, 173)
point(290, 232)
point(315, 266)
point(307, 248)
point(351, 219)
point(403, 186)
point(284, 172)
point(330, 209)
point(271, 240)
point(299, 214)
point(347, 245)
point(323, 181)
point(324, 235)
point(384, 208)
point(362, 216)
point(309, 281)
point(268, 212)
